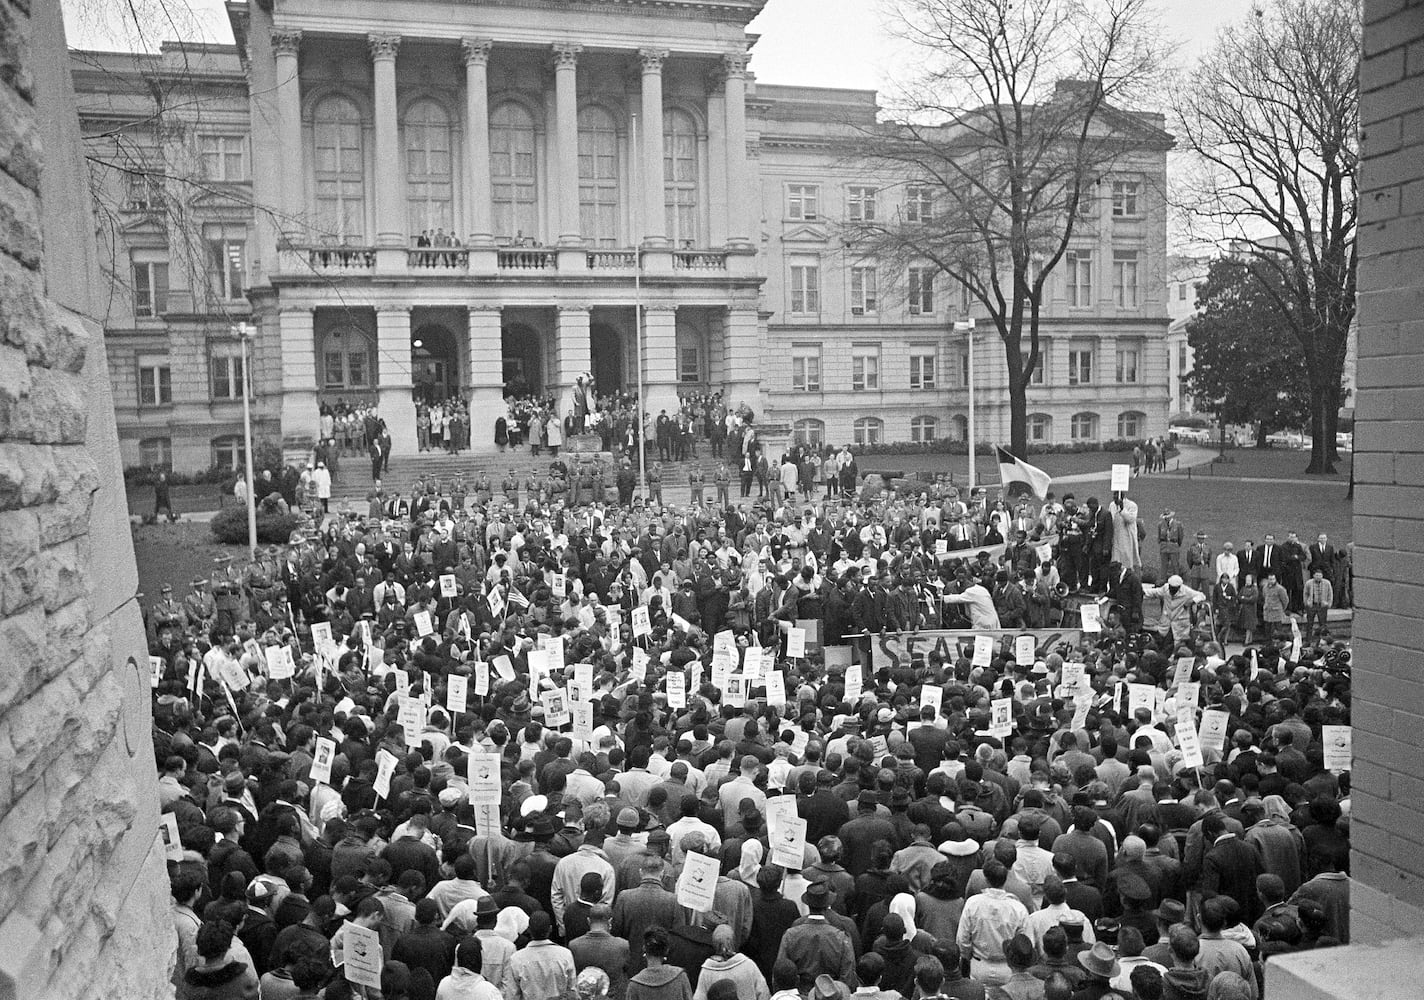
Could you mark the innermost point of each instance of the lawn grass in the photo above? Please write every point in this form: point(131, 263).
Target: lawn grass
point(1272, 463)
point(175, 554)
point(987, 467)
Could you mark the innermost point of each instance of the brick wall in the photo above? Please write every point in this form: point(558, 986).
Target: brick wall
point(1387, 830)
point(83, 890)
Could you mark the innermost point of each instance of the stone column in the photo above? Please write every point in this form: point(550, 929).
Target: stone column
point(389, 187)
point(717, 156)
point(741, 358)
point(742, 201)
point(477, 147)
point(566, 126)
point(654, 221)
point(394, 402)
point(486, 375)
point(572, 353)
point(286, 46)
point(296, 340)
point(660, 358)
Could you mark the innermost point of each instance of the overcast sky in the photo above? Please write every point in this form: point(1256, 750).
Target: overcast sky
point(827, 43)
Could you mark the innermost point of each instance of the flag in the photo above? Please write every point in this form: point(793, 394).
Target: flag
point(1020, 477)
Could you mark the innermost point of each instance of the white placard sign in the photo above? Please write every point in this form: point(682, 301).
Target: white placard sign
point(677, 689)
point(583, 677)
point(1073, 673)
point(983, 650)
point(776, 688)
point(779, 809)
point(280, 665)
point(168, 831)
point(423, 624)
point(448, 586)
point(931, 695)
point(1001, 717)
point(385, 768)
point(559, 586)
point(1141, 696)
point(753, 663)
point(1187, 739)
point(504, 667)
point(1121, 478)
point(556, 707)
point(642, 624)
point(1024, 650)
point(361, 951)
point(412, 719)
point(1189, 694)
point(1183, 673)
point(321, 636)
point(1080, 713)
point(1091, 616)
point(483, 778)
point(639, 670)
point(795, 643)
point(788, 843)
point(854, 682)
point(736, 690)
point(582, 713)
point(402, 680)
point(482, 678)
point(457, 692)
point(1212, 733)
point(155, 670)
point(697, 885)
point(1337, 747)
point(555, 649)
point(322, 760)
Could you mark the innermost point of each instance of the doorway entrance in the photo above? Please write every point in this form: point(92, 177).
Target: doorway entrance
point(434, 363)
point(606, 354)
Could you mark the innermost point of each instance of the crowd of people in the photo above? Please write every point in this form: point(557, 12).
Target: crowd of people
point(544, 747)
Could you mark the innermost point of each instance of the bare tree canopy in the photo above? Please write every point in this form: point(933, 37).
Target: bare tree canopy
point(1272, 114)
point(1015, 119)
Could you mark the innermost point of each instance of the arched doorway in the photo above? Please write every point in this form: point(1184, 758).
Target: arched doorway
point(523, 366)
point(434, 363)
point(606, 354)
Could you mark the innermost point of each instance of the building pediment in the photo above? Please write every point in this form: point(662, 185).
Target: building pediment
point(806, 234)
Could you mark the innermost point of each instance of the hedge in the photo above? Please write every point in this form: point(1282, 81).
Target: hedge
point(230, 526)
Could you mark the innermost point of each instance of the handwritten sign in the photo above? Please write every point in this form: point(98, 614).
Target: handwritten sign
point(795, 643)
point(677, 689)
point(697, 885)
point(412, 719)
point(1337, 747)
point(837, 656)
point(1121, 478)
point(1187, 738)
point(788, 844)
point(322, 760)
point(457, 691)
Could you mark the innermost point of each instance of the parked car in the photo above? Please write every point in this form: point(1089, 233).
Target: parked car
point(1287, 439)
point(1194, 435)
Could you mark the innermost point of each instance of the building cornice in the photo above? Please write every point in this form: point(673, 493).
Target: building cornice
point(732, 11)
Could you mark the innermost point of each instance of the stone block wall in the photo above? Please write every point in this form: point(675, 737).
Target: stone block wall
point(83, 886)
point(1387, 819)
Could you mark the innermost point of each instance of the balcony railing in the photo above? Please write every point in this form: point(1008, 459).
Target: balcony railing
point(337, 259)
point(438, 259)
point(528, 259)
point(612, 260)
point(699, 260)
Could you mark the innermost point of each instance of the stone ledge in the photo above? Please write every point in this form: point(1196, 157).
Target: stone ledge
point(1387, 971)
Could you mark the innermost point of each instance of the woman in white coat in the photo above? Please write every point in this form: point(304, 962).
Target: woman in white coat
point(322, 478)
point(1125, 547)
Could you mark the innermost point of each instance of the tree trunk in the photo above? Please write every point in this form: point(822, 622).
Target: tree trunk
point(1332, 423)
point(1261, 441)
point(1018, 416)
point(1319, 460)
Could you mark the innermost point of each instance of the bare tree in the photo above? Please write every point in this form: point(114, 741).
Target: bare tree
point(999, 144)
point(1272, 114)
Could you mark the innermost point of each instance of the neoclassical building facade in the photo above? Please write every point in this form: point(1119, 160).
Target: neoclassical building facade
point(422, 198)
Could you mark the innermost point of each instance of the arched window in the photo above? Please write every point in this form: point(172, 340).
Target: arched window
point(598, 176)
point(229, 452)
point(923, 429)
point(869, 430)
point(428, 178)
point(1085, 427)
point(513, 175)
point(1040, 427)
point(340, 169)
point(961, 427)
point(680, 177)
point(1131, 424)
point(347, 359)
point(809, 432)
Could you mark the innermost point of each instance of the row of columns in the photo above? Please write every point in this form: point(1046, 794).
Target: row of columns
point(738, 364)
point(728, 132)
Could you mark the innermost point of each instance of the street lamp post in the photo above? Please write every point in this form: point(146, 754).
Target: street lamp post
point(244, 333)
point(966, 326)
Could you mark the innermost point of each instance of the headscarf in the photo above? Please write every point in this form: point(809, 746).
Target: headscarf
point(752, 852)
point(1276, 808)
point(511, 923)
point(903, 906)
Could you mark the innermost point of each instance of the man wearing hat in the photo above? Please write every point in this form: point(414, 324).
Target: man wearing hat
point(1100, 963)
point(815, 945)
point(1021, 984)
point(199, 605)
point(1199, 563)
point(858, 835)
point(1169, 543)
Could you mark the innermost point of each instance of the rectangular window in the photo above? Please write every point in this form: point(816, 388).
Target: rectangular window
point(806, 368)
point(919, 204)
point(226, 273)
point(143, 192)
point(864, 291)
point(224, 157)
point(963, 369)
point(150, 285)
point(921, 291)
point(1181, 359)
point(1078, 266)
point(1128, 359)
point(156, 453)
point(225, 368)
point(803, 201)
point(1124, 199)
point(860, 205)
point(865, 368)
point(805, 287)
point(1040, 370)
point(923, 368)
point(689, 368)
point(155, 382)
point(1182, 291)
point(1080, 366)
point(1038, 427)
point(1125, 278)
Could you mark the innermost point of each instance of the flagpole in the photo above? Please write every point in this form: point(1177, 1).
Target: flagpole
point(638, 315)
point(967, 326)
